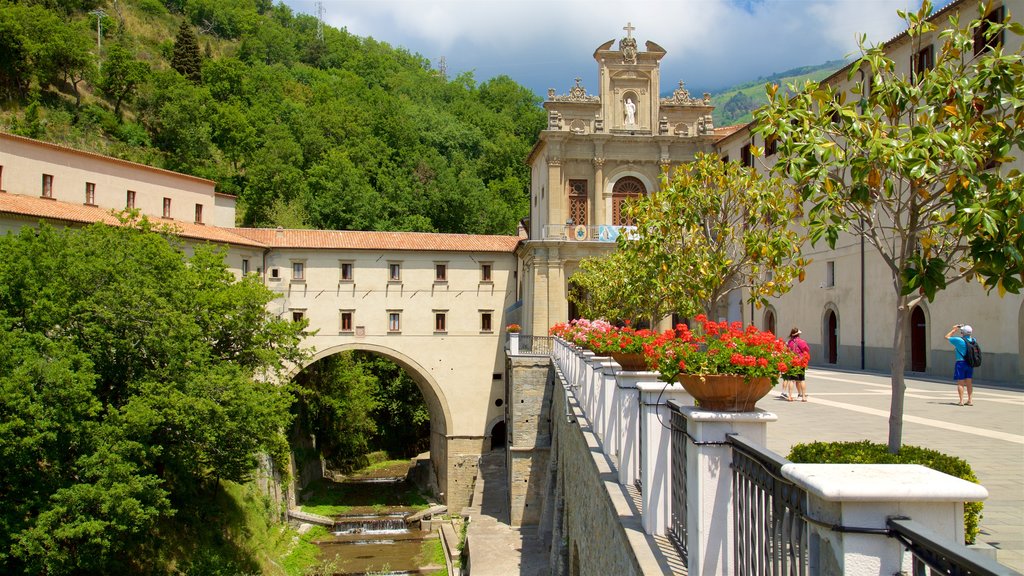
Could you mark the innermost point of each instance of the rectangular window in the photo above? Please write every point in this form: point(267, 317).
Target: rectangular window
point(578, 202)
point(47, 185)
point(771, 145)
point(346, 320)
point(485, 272)
point(2, 179)
point(129, 202)
point(440, 321)
point(167, 207)
point(245, 266)
point(90, 194)
point(346, 272)
point(394, 321)
point(923, 61)
point(485, 321)
point(299, 271)
point(440, 272)
point(275, 274)
point(830, 274)
point(298, 315)
point(199, 213)
point(394, 272)
point(725, 158)
point(984, 39)
point(746, 158)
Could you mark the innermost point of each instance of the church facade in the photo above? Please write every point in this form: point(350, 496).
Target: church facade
point(597, 152)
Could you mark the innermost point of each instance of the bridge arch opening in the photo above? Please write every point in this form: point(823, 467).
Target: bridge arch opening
point(433, 397)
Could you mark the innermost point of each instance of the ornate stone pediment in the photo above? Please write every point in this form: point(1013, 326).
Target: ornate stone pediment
point(576, 94)
point(682, 96)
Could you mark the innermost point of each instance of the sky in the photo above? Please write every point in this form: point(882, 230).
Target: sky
point(542, 44)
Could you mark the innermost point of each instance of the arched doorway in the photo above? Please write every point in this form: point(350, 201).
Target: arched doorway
point(769, 321)
point(498, 433)
point(918, 340)
point(831, 337)
point(625, 188)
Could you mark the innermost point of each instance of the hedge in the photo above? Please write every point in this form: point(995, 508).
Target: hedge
point(864, 452)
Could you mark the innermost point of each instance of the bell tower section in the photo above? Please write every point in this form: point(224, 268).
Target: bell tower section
point(629, 85)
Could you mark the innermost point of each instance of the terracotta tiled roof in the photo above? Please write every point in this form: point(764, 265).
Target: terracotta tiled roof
point(723, 131)
point(43, 209)
point(352, 240)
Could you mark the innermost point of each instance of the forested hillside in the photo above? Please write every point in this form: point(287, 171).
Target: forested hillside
point(736, 105)
point(341, 132)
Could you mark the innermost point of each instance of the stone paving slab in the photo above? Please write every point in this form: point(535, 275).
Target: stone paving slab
point(852, 406)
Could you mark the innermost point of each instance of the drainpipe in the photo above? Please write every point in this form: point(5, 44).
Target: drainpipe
point(863, 345)
point(862, 311)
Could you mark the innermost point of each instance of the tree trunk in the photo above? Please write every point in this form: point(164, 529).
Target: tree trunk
point(896, 368)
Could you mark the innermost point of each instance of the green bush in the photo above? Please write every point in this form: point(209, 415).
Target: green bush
point(865, 452)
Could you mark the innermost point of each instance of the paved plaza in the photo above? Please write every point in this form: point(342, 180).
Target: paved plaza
point(988, 435)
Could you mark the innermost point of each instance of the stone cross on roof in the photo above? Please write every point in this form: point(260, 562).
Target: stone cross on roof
point(629, 29)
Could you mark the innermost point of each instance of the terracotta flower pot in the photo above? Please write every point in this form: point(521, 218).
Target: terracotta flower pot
point(725, 392)
point(631, 361)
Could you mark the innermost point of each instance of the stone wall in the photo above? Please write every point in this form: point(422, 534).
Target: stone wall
point(463, 465)
point(528, 417)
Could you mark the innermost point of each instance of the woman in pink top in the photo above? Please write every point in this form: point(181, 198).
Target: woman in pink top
point(799, 347)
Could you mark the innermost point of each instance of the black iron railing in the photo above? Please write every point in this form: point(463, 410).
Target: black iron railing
point(533, 345)
point(769, 513)
point(934, 554)
point(677, 520)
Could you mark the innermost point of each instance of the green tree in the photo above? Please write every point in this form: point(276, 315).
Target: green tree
point(132, 378)
point(336, 399)
point(64, 57)
point(617, 286)
point(714, 227)
point(187, 60)
point(122, 75)
point(915, 165)
point(15, 52)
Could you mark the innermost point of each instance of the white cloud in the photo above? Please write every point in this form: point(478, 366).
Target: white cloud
point(546, 43)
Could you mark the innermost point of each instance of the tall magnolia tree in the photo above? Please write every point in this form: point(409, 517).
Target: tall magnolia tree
point(917, 165)
point(714, 227)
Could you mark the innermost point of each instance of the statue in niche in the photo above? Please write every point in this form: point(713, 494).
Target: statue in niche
point(630, 112)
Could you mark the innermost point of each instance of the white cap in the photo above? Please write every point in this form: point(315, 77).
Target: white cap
point(966, 329)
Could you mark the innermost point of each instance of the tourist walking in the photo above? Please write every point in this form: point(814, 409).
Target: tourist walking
point(963, 371)
point(797, 376)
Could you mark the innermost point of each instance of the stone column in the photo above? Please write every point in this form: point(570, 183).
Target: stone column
point(656, 451)
point(709, 484)
point(597, 195)
point(556, 195)
point(865, 496)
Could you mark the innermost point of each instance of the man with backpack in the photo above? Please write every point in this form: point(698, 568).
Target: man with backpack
point(968, 356)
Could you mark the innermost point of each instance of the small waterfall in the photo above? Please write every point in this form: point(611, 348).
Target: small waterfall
point(390, 524)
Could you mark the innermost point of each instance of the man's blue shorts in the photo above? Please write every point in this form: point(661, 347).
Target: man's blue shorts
point(963, 370)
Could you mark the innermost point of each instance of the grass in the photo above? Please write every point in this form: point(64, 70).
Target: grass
point(432, 554)
point(304, 554)
point(329, 498)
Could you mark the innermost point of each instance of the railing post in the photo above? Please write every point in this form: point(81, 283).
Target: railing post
point(656, 452)
point(709, 487)
point(850, 504)
point(627, 413)
point(604, 378)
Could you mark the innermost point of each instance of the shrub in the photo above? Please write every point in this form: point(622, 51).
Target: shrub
point(864, 452)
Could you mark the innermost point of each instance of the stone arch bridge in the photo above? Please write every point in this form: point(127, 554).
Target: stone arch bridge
point(435, 304)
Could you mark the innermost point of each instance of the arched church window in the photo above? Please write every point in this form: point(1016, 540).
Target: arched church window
point(627, 187)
